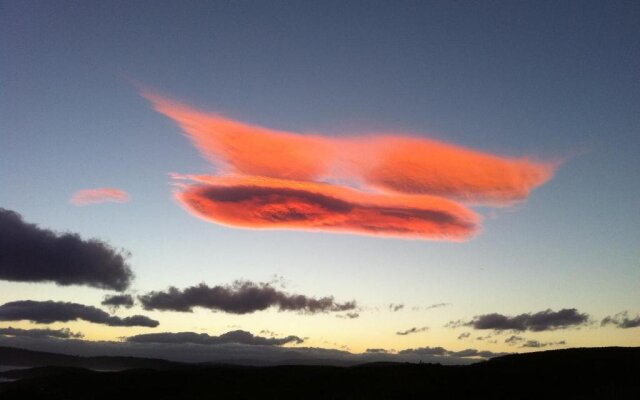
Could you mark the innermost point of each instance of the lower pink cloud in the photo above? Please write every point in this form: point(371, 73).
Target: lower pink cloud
point(99, 195)
point(264, 203)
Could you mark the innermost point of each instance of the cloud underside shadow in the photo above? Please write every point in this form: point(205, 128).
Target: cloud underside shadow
point(265, 203)
point(300, 173)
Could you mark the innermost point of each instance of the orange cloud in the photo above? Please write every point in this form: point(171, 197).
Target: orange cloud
point(99, 195)
point(403, 178)
point(254, 202)
point(250, 149)
point(417, 165)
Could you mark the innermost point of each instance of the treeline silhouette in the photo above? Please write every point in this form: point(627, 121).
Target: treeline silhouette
point(586, 373)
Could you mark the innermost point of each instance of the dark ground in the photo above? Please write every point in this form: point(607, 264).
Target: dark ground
point(598, 373)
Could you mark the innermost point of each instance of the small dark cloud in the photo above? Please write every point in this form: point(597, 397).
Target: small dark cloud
point(475, 353)
point(464, 335)
point(536, 344)
point(395, 307)
point(119, 300)
point(238, 336)
point(514, 339)
point(412, 330)
point(64, 333)
point(437, 305)
point(440, 351)
point(426, 351)
point(241, 297)
point(377, 351)
point(541, 321)
point(622, 320)
point(351, 315)
point(46, 312)
point(34, 254)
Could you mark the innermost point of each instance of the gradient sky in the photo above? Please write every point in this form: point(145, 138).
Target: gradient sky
point(549, 80)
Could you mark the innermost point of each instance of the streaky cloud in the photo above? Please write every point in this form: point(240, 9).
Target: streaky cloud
point(63, 333)
point(237, 336)
point(46, 312)
point(240, 297)
point(86, 197)
point(30, 253)
point(412, 330)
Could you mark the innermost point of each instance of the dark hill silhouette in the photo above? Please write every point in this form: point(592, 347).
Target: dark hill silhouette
point(589, 373)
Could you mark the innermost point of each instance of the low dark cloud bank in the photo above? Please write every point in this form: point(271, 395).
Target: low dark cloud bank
point(622, 320)
point(46, 312)
point(241, 297)
point(412, 330)
point(118, 300)
point(64, 333)
point(251, 354)
point(547, 320)
point(442, 352)
point(238, 336)
point(33, 254)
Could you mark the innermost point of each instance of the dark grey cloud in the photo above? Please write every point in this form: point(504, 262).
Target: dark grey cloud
point(395, 307)
point(412, 330)
point(514, 339)
point(622, 320)
point(238, 336)
point(46, 312)
point(536, 344)
point(475, 353)
point(350, 315)
point(426, 351)
point(29, 253)
point(440, 351)
point(377, 351)
point(64, 333)
point(241, 297)
point(464, 335)
point(118, 300)
point(541, 321)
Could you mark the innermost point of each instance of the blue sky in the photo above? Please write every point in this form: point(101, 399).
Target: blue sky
point(544, 79)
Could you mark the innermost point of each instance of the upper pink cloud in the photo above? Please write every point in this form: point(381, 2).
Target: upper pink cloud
point(99, 195)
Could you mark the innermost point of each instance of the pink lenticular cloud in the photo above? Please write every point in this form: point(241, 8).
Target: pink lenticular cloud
point(99, 195)
point(391, 185)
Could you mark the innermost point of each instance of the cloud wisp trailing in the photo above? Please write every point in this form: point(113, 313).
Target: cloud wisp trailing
point(87, 197)
point(285, 175)
point(47, 312)
point(621, 320)
point(34, 254)
point(547, 320)
point(237, 336)
point(63, 333)
point(241, 297)
point(412, 330)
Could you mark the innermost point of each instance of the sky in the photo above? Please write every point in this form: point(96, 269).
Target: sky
point(461, 172)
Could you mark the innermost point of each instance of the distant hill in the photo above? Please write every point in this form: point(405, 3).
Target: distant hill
point(27, 358)
point(589, 373)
